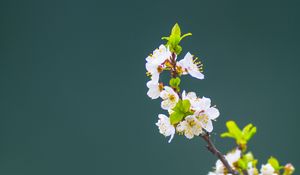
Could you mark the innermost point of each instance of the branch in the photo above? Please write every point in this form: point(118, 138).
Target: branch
point(211, 147)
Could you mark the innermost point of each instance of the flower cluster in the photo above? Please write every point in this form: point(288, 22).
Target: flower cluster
point(244, 162)
point(191, 115)
point(236, 159)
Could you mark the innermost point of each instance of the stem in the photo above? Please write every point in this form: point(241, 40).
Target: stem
point(173, 62)
point(211, 147)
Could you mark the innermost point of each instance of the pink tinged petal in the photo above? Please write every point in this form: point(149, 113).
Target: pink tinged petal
point(213, 113)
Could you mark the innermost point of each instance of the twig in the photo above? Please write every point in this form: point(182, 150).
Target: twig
point(211, 147)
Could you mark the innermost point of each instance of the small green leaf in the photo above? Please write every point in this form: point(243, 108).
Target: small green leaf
point(275, 163)
point(178, 107)
point(165, 38)
point(185, 35)
point(248, 157)
point(176, 117)
point(176, 30)
point(234, 129)
point(175, 82)
point(227, 134)
point(242, 164)
point(186, 106)
point(178, 49)
point(174, 39)
point(181, 110)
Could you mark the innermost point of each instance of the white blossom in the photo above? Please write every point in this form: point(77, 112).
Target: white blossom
point(231, 158)
point(190, 127)
point(205, 113)
point(267, 169)
point(154, 89)
point(190, 66)
point(165, 127)
point(192, 97)
point(170, 98)
point(154, 61)
point(251, 170)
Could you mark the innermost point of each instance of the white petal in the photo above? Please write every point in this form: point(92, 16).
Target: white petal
point(169, 90)
point(189, 134)
point(207, 126)
point(196, 74)
point(213, 113)
point(166, 105)
point(171, 138)
point(184, 95)
point(153, 94)
point(205, 103)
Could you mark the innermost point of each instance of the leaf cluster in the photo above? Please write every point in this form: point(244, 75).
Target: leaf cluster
point(241, 136)
point(180, 111)
point(174, 39)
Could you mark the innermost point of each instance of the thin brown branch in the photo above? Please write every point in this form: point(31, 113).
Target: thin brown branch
point(211, 147)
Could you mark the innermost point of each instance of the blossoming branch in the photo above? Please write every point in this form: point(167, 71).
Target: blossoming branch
point(192, 116)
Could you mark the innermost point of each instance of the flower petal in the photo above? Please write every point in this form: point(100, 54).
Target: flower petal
point(213, 113)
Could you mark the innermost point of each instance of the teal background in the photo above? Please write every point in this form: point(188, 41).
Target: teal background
point(73, 94)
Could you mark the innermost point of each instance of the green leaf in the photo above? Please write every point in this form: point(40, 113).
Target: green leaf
point(165, 38)
point(248, 157)
point(177, 49)
point(185, 35)
point(241, 136)
point(178, 107)
point(234, 129)
point(176, 117)
point(175, 82)
point(275, 163)
point(181, 110)
point(174, 39)
point(242, 164)
point(227, 134)
point(186, 106)
point(249, 131)
point(176, 30)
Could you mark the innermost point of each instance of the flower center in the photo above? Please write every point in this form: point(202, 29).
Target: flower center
point(203, 118)
point(172, 97)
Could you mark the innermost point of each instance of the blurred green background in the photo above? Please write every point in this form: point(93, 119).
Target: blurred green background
point(73, 94)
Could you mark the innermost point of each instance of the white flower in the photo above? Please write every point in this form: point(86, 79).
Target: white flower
point(267, 170)
point(159, 55)
point(231, 157)
point(251, 170)
point(154, 61)
point(192, 97)
point(205, 113)
point(170, 98)
point(154, 89)
point(190, 127)
point(189, 65)
point(165, 127)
